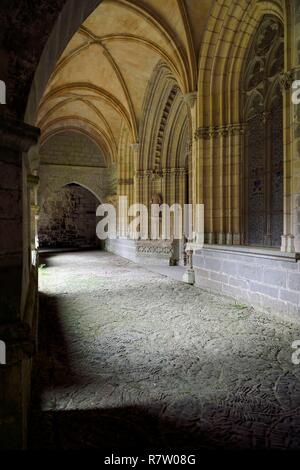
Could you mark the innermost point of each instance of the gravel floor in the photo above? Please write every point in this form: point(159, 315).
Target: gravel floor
point(129, 357)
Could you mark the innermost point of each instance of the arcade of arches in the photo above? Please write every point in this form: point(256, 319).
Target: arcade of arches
point(124, 98)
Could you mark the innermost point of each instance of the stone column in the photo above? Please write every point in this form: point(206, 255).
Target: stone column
point(33, 183)
point(18, 284)
point(291, 236)
point(197, 151)
point(136, 159)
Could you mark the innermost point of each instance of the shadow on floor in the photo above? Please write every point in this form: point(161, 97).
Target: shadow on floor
point(112, 428)
point(241, 422)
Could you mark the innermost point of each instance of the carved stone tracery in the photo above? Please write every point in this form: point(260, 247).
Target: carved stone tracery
point(263, 83)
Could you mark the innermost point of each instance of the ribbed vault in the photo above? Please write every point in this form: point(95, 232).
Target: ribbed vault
point(101, 79)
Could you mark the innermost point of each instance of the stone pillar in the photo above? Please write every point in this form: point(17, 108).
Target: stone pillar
point(291, 237)
point(197, 151)
point(136, 159)
point(18, 282)
point(33, 183)
point(235, 202)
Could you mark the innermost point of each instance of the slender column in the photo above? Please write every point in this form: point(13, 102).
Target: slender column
point(295, 137)
point(136, 158)
point(291, 236)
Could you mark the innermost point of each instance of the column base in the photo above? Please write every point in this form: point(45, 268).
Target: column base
point(189, 277)
point(288, 244)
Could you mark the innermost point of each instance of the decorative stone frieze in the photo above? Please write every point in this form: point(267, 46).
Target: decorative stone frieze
point(213, 132)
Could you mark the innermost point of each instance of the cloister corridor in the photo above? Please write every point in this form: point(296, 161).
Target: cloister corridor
point(129, 357)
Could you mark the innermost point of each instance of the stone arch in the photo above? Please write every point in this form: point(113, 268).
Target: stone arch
point(70, 19)
point(85, 187)
point(221, 126)
point(165, 115)
point(68, 217)
point(263, 150)
point(81, 160)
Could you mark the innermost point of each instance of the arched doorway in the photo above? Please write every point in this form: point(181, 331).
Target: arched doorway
point(263, 115)
point(68, 219)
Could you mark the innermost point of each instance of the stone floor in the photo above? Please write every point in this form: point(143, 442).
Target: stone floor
point(129, 357)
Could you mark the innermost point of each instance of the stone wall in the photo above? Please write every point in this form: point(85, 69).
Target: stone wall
point(71, 157)
point(162, 253)
point(72, 148)
point(266, 279)
point(68, 219)
point(122, 247)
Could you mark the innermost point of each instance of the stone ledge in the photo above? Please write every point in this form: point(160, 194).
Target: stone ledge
point(256, 252)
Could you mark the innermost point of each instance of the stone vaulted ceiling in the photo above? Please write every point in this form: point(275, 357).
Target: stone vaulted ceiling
point(101, 79)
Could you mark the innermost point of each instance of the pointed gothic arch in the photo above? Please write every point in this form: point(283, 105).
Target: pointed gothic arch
point(262, 110)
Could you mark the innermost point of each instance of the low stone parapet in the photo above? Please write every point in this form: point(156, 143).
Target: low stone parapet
point(263, 278)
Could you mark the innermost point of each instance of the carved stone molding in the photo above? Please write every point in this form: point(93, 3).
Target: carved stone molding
point(142, 174)
point(35, 209)
point(173, 171)
point(17, 135)
point(265, 117)
point(135, 147)
point(286, 80)
point(158, 249)
point(33, 181)
point(213, 132)
point(190, 99)
point(126, 182)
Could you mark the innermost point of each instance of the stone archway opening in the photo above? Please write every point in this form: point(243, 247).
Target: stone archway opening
point(68, 219)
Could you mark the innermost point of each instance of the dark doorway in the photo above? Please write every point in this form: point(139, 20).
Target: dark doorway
point(68, 219)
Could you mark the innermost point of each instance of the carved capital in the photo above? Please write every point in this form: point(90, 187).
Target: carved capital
point(190, 99)
point(141, 174)
point(202, 133)
point(286, 80)
point(35, 209)
point(135, 147)
point(33, 181)
point(212, 132)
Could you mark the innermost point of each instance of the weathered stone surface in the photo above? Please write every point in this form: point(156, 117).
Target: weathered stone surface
point(294, 282)
point(131, 357)
point(275, 277)
point(290, 296)
point(68, 219)
point(255, 279)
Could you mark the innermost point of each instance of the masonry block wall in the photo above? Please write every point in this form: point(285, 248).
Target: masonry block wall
point(269, 281)
point(72, 157)
point(68, 219)
point(72, 148)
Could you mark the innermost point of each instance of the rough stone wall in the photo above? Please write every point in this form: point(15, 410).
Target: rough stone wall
point(72, 148)
point(71, 157)
point(68, 219)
